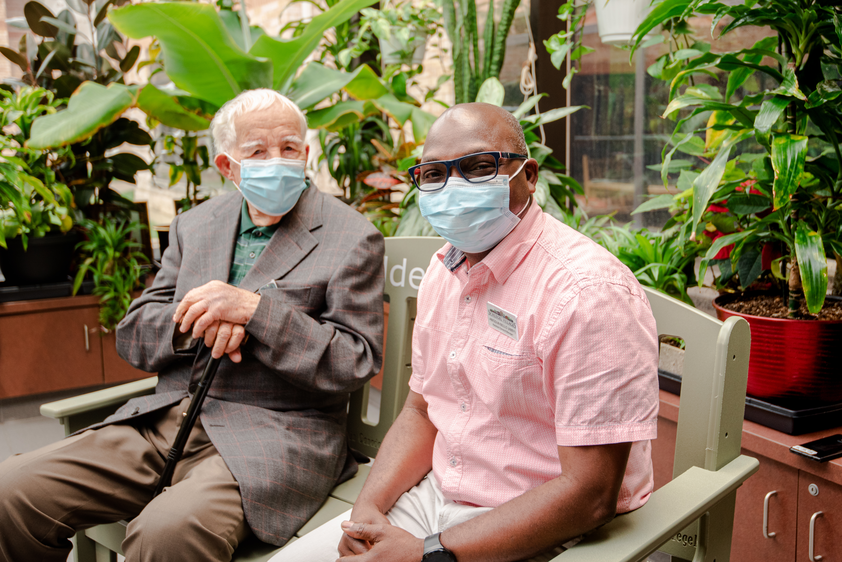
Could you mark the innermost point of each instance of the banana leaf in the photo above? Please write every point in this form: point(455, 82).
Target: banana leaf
point(287, 56)
point(199, 54)
point(91, 108)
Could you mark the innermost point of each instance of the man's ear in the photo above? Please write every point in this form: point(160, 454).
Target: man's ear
point(224, 165)
point(531, 172)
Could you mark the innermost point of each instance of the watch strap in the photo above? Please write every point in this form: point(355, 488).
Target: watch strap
point(432, 544)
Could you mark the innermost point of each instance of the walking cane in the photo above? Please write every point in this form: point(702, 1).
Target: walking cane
point(187, 424)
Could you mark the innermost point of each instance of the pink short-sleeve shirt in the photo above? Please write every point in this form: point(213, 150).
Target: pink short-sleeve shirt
point(549, 341)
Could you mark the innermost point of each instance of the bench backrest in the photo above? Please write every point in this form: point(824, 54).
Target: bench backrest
point(713, 389)
point(406, 262)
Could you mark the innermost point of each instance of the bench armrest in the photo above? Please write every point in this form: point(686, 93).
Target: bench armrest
point(78, 412)
point(635, 535)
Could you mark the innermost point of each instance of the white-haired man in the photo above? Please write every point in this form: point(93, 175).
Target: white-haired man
point(297, 272)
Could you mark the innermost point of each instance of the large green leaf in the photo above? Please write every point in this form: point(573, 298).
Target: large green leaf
point(664, 201)
point(421, 123)
point(813, 266)
point(340, 115)
point(788, 155)
point(769, 113)
point(288, 56)
point(200, 56)
point(492, 92)
point(316, 82)
point(91, 108)
point(533, 121)
point(167, 110)
point(740, 113)
point(707, 182)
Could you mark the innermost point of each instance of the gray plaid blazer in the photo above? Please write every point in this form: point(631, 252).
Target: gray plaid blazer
point(279, 417)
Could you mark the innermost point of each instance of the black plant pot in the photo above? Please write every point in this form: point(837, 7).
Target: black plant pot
point(46, 259)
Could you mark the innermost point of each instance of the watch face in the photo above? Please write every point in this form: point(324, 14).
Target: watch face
point(440, 556)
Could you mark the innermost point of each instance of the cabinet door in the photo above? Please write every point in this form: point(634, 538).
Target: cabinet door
point(748, 543)
point(50, 350)
point(828, 525)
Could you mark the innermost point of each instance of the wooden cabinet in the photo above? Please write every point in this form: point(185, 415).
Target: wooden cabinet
point(792, 506)
point(819, 496)
point(55, 344)
point(779, 483)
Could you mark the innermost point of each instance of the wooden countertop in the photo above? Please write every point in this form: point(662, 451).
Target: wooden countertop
point(771, 443)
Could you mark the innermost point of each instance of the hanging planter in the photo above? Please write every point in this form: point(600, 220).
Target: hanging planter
point(617, 20)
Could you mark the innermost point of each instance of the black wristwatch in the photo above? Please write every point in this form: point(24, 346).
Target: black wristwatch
point(435, 552)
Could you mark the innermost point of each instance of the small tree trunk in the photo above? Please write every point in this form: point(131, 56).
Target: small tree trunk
point(796, 291)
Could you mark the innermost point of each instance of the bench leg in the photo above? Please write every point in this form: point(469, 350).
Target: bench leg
point(84, 549)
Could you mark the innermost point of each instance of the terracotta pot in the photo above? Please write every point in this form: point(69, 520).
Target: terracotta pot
point(792, 358)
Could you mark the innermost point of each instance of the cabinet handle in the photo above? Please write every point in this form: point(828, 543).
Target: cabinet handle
point(87, 339)
point(766, 533)
point(814, 557)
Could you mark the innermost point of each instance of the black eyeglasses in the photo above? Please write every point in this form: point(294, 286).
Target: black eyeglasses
point(475, 168)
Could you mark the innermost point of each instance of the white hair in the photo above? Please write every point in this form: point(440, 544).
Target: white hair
point(222, 130)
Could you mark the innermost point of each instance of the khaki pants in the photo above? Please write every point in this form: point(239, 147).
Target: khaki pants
point(109, 474)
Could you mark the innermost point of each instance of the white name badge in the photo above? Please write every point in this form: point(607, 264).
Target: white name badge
point(503, 321)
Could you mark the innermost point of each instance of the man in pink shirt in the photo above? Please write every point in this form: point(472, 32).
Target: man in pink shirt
point(534, 390)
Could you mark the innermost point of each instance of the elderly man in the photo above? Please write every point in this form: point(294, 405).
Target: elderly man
point(288, 283)
point(534, 375)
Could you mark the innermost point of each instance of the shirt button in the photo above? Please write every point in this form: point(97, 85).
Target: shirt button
point(258, 233)
point(463, 406)
point(468, 298)
point(136, 411)
point(453, 355)
point(453, 462)
point(251, 255)
point(192, 388)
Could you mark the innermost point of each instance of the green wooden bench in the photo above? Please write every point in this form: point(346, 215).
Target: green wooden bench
point(697, 503)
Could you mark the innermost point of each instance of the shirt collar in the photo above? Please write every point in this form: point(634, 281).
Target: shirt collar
point(508, 254)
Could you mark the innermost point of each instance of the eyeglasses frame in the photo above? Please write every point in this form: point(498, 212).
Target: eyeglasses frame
point(455, 162)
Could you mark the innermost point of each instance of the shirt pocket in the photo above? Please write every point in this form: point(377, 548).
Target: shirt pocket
point(297, 297)
point(510, 384)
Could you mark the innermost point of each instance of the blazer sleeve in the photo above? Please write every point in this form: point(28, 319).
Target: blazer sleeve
point(145, 335)
point(339, 351)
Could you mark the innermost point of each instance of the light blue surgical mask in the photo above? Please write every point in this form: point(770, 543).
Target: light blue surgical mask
point(473, 217)
point(273, 186)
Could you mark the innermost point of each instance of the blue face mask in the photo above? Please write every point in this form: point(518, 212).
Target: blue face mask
point(273, 186)
point(472, 217)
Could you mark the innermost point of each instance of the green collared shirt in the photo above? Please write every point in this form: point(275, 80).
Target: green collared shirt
point(251, 241)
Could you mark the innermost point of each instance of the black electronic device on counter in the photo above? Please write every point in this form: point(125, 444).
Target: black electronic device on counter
point(825, 449)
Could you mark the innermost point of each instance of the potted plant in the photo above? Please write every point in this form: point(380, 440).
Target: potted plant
point(115, 265)
point(402, 30)
point(36, 242)
point(762, 126)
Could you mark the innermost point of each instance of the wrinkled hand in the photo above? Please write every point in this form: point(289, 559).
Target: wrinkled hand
point(225, 337)
point(388, 543)
point(348, 545)
point(217, 311)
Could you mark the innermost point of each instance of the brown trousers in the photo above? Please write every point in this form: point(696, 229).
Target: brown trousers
point(109, 474)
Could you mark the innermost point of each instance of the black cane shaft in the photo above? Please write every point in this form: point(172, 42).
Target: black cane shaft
point(190, 418)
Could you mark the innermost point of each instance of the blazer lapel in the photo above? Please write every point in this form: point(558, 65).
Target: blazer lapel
point(290, 244)
point(219, 251)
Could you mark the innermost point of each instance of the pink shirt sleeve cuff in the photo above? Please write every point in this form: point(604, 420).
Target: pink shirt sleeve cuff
point(568, 436)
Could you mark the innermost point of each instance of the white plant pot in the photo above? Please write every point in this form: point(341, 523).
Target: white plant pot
point(617, 20)
point(391, 50)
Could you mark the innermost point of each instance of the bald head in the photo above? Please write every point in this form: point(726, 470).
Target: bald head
point(474, 127)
